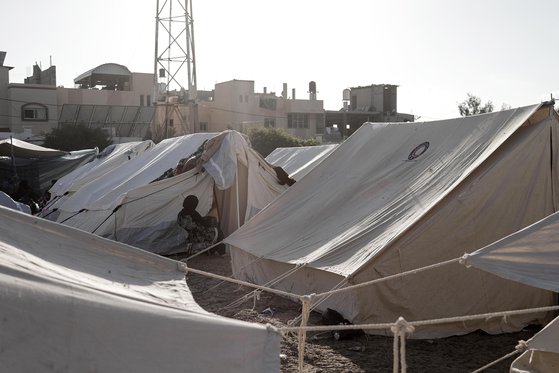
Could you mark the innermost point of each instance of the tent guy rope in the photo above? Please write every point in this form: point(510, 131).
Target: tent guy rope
point(400, 328)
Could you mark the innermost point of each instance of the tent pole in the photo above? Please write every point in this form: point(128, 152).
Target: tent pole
point(237, 190)
point(13, 158)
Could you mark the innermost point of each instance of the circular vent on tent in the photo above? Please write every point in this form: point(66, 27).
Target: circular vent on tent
point(418, 150)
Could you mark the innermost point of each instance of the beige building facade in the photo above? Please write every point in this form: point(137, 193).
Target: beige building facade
point(108, 96)
point(126, 105)
point(236, 105)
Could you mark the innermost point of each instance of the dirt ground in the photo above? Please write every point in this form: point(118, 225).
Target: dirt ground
point(364, 353)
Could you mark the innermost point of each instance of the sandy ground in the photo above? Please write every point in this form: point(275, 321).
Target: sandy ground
point(364, 353)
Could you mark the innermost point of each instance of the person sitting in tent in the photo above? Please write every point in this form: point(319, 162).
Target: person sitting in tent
point(202, 231)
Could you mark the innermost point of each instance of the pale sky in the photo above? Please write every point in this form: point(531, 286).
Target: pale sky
point(437, 51)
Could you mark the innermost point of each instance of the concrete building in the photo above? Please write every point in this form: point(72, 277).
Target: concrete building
point(373, 103)
point(236, 105)
point(126, 105)
point(108, 96)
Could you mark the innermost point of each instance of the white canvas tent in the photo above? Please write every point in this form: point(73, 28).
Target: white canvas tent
point(22, 149)
point(530, 256)
point(127, 205)
point(76, 302)
point(400, 196)
point(111, 157)
point(299, 161)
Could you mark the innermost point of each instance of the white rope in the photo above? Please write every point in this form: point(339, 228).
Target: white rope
point(305, 310)
point(520, 348)
point(400, 328)
point(268, 285)
point(402, 274)
point(323, 328)
point(256, 297)
point(233, 275)
point(319, 302)
point(240, 282)
point(201, 251)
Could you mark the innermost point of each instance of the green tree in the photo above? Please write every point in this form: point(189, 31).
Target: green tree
point(472, 106)
point(77, 138)
point(266, 140)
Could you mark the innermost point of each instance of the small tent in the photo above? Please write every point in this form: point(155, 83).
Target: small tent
point(38, 165)
point(530, 256)
point(137, 203)
point(399, 196)
point(299, 161)
point(76, 302)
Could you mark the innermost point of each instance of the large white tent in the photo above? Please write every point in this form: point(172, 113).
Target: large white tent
point(111, 157)
point(76, 302)
point(299, 161)
point(130, 205)
point(530, 256)
point(400, 196)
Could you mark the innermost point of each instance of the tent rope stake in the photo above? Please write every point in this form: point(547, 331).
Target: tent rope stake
point(400, 328)
point(305, 310)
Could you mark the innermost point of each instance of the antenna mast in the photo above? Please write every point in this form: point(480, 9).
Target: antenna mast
point(175, 63)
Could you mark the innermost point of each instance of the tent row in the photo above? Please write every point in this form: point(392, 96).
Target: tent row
point(136, 200)
point(399, 196)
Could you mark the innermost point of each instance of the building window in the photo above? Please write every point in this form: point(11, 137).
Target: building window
point(141, 100)
point(203, 126)
point(241, 98)
point(270, 122)
point(297, 120)
point(246, 98)
point(171, 122)
point(34, 112)
point(149, 100)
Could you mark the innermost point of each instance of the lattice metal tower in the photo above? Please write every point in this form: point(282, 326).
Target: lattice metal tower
point(175, 63)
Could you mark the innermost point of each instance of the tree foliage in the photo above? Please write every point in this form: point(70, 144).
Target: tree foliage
point(266, 140)
point(77, 137)
point(472, 106)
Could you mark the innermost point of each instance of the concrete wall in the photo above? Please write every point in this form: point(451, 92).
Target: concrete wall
point(5, 120)
point(236, 106)
point(21, 95)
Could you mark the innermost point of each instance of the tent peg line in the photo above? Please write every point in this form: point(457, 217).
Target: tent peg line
point(400, 328)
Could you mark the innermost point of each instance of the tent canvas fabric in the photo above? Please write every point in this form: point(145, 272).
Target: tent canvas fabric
point(542, 354)
point(7, 201)
point(529, 256)
point(299, 161)
point(73, 301)
point(399, 196)
point(22, 149)
point(38, 165)
point(127, 205)
point(110, 158)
